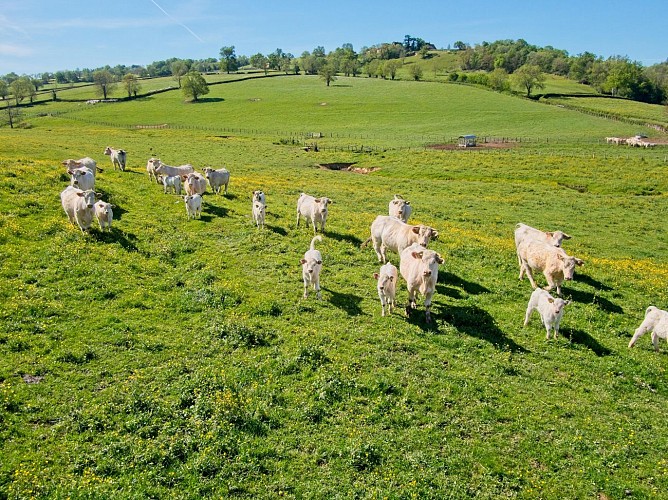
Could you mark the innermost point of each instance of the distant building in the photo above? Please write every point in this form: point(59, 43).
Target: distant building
point(466, 141)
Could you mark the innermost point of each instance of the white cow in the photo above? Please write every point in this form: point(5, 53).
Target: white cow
point(311, 268)
point(118, 157)
point(387, 286)
point(400, 208)
point(391, 233)
point(551, 310)
point(553, 262)
point(171, 184)
point(194, 183)
point(87, 162)
point(193, 205)
point(168, 170)
point(523, 232)
point(313, 209)
point(78, 206)
point(419, 267)
point(217, 178)
point(82, 178)
point(259, 212)
point(104, 214)
point(656, 321)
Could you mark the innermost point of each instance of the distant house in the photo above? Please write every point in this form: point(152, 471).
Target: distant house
point(466, 141)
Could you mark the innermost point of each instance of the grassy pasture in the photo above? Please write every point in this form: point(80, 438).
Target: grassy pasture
point(619, 107)
point(179, 359)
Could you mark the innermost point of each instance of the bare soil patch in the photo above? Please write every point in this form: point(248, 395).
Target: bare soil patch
point(347, 167)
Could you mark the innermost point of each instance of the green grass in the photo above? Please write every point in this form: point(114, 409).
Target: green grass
point(653, 113)
point(179, 359)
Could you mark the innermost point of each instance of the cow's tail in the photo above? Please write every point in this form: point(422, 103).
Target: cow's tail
point(366, 242)
point(315, 238)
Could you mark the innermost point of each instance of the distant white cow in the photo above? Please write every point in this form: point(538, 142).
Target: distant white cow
point(78, 206)
point(313, 209)
point(311, 268)
point(82, 178)
point(171, 184)
point(118, 157)
point(259, 212)
point(194, 183)
point(419, 267)
point(553, 262)
point(193, 205)
point(656, 321)
point(550, 309)
point(389, 233)
point(217, 178)
point(104, 214)
point(400, 208)
point(387, 286)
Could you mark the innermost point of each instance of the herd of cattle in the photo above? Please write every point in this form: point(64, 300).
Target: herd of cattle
point(537, 251)
point(636, 141)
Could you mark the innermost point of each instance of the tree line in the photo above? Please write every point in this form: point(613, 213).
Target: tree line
point(498, 65)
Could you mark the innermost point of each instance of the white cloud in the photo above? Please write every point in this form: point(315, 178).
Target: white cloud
point(8, 49)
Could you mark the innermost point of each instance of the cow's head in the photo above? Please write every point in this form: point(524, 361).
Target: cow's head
point(424, 234)
point(568, 264)
point(88, 197)
point(556, 237)
point(107, 151)
point(557, 305)
point(384, 280)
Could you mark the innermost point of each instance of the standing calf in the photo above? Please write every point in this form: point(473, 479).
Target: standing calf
point(259, 212)
point(117, 156)
point(170, 183)
point(104, 214)
point(311, 267)
point(217, 178)
point(193, 205)
point(550, 309)
point(387, 286)
point(313, 209)
point(656, 321)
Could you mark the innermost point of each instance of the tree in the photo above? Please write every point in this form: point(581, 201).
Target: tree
point(529, 77)
point(4, 89)
point(194, 85)
point(259, 61)
point(228, 60)
point(327, 73)
point(416, 72)
point(105, 82)
point(459, 45)
point(21, 88)
point(131, 84)
point(424, 52)
point(498, 79)
point(179, 69)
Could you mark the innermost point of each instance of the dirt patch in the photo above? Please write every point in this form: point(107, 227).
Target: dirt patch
point(347, 167)
point(484, 145)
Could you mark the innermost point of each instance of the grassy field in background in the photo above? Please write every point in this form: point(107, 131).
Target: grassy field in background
point(176, 358)
point(655, 113)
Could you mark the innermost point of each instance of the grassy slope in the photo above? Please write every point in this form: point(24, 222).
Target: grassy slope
point(179, 357)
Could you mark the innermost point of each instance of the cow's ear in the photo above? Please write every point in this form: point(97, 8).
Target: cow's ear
point(303, 261)
point(549, 234)
point(567, 237)
point(439, 259)
point(80, 194)
point(417, 255)
point(375, 276)
point(550, 300)
point(98, 195)
point(434, 234)
point(329, 201)
point(317, 200)
point(415, 229)
point(579, 262)
point(70, 172)
point(407, 202)
point(394, 202)
point(568, 302)
point(112, 206)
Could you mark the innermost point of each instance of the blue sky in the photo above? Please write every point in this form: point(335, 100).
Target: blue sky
point(39, 35)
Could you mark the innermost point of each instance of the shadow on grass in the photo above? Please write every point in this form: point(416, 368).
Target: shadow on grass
point(476, 322)
point(277, 229)
point(213, 210)
point(452, 280)
point(126, 240)
point(204, 100)
point(590, 298)
point(348, 302)
point(354, 240)
point(588, 280)
point(583, 338)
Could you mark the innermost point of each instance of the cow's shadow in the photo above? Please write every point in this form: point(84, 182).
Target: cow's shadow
point(348, 238)
point(214, 210)
point(476, 322)
point(583, 338)
point(277, 229)
point(449, 284)
point(588, 280)
point(126, 240)
point(591, 298)
point(348, 302)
